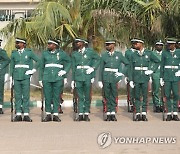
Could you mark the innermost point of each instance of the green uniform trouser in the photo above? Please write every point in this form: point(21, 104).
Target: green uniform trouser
point(111, 94)
point(22, 92)
point(1, 89)
point(168, 86)
point(141, 88)
point(51, 93)
point(84, 95)
point(155, 92)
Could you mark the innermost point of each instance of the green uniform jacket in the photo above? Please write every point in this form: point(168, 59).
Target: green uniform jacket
point(142, 61)
point(24, 59)
point(128, 54)
point(88, 58)
point(57, 61)
point(4, 61)
point(168, 60)
point(156, 74)
point(112, 62)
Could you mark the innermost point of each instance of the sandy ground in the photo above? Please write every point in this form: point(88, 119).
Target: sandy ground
point(69, 136)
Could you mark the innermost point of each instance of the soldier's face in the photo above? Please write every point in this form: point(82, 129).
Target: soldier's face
point(137, 45)
point(171, 46)
point(19, 45)
point(51, 46)
point(109, 46)
point(159, 47)
point(79, 45)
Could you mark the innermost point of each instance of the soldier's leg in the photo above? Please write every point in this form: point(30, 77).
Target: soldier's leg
point(114, 96)
point(18, 96)
point(47, 86)
point(26, 95)
point(1, 93)
point(144, 89)
point(57, 88)
point(156, 85)
point(87, 92)
point(107, 93)
point(175, 97)
point(137, 97)
point(80, 93)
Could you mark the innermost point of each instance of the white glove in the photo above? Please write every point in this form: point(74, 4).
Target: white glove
point(119, 81)
point(177, 73)
point(72, 84)
point(117, 74)
point(89, 70)
point(92, 80)
point(150, 79)
point(40, 83)
point(30, 78)
point(61, 73)
point(148, 72)
point(11, 82)
point(131, 83)
point(100, 84)
point(161, 82)
point(6, 77)
point(126, 80)
point(65, 81)
point(30, 72)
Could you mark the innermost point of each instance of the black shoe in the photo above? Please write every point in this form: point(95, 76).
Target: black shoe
point(175, 118)
point(17, 118)
point(47, 118)
point(27, 119)
point(1, 111)
point(144, 118)
point(56, 118)
point(80, 118)
point(161, 108)
point(169, 118)
point(108, 118)
point(113, 117)
point(138, 117)
point(86, 118)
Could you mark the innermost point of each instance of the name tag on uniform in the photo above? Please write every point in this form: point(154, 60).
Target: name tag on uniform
point(85, 56)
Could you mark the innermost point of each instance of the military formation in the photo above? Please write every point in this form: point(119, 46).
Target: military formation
point(138, 67)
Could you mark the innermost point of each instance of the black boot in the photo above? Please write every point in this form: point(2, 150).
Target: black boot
point(1, 111)
point(27, 119)
point(138, 117)
point(158, 109)
point(60, 110)
point(86, 118)
point(17, 118)
point(108, 118)
point(80, 118)
point(113, 117)
point(169, 118)
point(56, 118)
point(161, 108)
point(47, 118)
point(175, 118)
point(144, 118)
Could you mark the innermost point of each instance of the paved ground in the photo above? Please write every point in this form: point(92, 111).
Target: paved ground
point(81, 137)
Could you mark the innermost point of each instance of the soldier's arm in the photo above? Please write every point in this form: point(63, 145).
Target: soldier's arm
point(42, 65)
point(126, 70)
point(73, 66)
point(162, 66)
point(96, 60)
point(101, 69)
point(5, 59)
point(36, 59)
point(12, 64)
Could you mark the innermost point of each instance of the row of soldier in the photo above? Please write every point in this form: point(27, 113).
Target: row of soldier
point(140, 65)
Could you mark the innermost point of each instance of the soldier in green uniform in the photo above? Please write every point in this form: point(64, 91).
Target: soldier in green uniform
point(55, 64)
point(156, 78)
point(169, 77)
point(128, 54)
point(110, 75)
point(84, 62)
point(4, 61)
point(20, 71)
point(140, 71)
